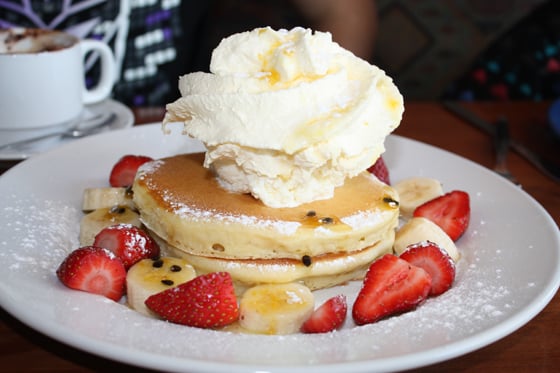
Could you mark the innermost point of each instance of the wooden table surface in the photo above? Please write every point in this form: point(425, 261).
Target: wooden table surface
point(534, 347)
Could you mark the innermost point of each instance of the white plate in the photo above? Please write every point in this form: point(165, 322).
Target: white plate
point(124, 118)
point(508, 272)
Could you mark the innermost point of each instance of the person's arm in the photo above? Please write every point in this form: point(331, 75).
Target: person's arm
point(353, 23)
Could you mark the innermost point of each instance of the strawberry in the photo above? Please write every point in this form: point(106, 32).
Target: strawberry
point(329, 316)
point(207, 301)
point(124, 171)
point(391, 286)
point(131, 244)
point(434, 260)
point(380, 170)
point(94, 270)
point(450, 211)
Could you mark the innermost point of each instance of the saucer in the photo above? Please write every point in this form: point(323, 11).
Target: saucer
point(124, 118)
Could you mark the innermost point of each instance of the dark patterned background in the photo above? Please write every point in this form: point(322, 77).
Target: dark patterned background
point(465, 49)
point(426, 45)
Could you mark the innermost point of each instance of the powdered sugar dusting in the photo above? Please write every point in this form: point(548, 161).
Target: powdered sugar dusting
point(473, 299)
point(43, 233)
point(184, 210)
point(363, 219)
point(149, 167)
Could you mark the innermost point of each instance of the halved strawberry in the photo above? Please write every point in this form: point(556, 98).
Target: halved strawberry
point(124, 171)
point(391, 286)
point(207, 301)
point(379, 169)
point(128, 242)
point(329, 316)
point(450, 211)
point(434, 260)
point(94, 270)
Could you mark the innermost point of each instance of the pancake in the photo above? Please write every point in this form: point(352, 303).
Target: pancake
point(318, 272)
point(321, 243)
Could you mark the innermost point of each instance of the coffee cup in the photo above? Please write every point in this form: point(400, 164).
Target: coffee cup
point(42, 81)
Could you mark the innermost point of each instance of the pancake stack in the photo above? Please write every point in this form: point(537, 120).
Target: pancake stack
point(320, 244)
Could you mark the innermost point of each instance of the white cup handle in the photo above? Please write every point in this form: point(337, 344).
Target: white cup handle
point(108, 71)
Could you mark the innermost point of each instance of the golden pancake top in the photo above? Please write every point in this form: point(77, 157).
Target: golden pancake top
point(181, 181)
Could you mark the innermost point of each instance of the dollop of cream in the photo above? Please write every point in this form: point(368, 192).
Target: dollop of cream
point(287, 115)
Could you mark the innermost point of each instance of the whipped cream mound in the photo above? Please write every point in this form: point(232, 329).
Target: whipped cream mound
point(287, 115)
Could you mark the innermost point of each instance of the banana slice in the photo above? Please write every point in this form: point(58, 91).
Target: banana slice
point(415, 191)
point(275, 308)
point(148, 277)
point(421, 229)
point(97, 198)
point(98, 219)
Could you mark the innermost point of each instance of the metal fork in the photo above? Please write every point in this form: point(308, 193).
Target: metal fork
point(501, 148)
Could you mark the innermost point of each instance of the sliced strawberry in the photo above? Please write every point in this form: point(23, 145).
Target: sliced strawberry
point(379, 169)
point(207, 301)
point(131, 244)
point(391, 286)
point(450, 211)
point(434, 260)
point(329, 316)
point(124, 171)
point(94, 270)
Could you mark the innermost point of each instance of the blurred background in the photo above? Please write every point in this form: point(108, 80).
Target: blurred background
point(456, 49)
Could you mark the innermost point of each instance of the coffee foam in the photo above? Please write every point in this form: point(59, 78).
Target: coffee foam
point(20, 40)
